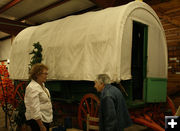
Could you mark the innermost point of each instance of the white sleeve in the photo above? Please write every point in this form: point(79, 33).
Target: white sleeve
point(32, 103)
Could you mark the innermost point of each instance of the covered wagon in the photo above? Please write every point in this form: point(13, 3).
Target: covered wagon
point(126, 42)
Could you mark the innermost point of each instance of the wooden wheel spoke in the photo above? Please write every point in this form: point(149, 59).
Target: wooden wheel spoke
point(19, 95)
point(162, 122)
point(87, 106)
point(96, 111)
point(85, 112)
point(147, 117)
point(92, 107)
point(83, 119)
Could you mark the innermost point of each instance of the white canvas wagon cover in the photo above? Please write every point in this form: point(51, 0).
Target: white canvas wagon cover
point(80, 47)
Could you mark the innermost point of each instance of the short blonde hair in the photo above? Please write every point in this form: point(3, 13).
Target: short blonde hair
point(36, 70)
point(103, 79)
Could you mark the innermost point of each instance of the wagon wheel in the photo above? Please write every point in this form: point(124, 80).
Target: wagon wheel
point(163, 109)
point(18, 98)
point(19, 93)
point(89, 105)
point(153, 116)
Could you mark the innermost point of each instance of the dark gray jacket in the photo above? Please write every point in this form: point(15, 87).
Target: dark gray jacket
point(114, 114)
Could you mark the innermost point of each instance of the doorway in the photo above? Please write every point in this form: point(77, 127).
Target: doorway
point(139, 59)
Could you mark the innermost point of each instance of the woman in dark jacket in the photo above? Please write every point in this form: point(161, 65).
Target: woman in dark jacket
point(114, 114)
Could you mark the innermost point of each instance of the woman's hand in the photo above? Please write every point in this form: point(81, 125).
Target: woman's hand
point(42, 128)
point(41, 125)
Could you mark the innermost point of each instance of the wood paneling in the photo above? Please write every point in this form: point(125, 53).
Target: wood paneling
point(172, 33)
point(169, 14)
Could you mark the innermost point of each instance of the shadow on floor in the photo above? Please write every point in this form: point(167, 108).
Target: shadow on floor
point(3, 129)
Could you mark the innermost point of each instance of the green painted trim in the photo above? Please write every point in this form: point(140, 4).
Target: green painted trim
point(135, 104)
point(145, 57)
point(156, 90)
point(145, 51)
point(145, 89)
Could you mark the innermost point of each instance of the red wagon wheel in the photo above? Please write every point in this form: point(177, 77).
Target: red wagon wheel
point(153, 116)
point(14, 97)
point(89, 105)
point(19, 93)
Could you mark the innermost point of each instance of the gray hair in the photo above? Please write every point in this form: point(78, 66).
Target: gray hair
point(103, 78)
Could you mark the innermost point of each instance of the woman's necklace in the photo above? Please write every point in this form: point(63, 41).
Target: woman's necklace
point(42, 85)
point(45, 91)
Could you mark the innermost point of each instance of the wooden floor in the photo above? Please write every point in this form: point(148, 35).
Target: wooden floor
point(2, 120)
point(134, 127)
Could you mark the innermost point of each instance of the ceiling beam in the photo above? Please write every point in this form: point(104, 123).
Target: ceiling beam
point(10, 29)
point(6, 21)
point(5, 38)
point(11, 26)
point(9, 5)
point(104, 3)
point(53, 5)
point(111, 3)
point(155, 2)
point(82, 11)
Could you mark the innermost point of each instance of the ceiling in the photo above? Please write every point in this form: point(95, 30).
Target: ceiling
point(16, 15)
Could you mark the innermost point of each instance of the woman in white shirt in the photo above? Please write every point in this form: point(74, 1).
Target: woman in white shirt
point(37, 99)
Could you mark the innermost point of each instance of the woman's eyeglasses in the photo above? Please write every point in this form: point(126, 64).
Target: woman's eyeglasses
point(45, 73)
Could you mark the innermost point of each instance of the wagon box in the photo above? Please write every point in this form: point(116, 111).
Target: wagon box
point(126, 42)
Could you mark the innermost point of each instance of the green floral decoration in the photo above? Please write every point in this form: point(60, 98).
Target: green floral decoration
point(37, 54)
